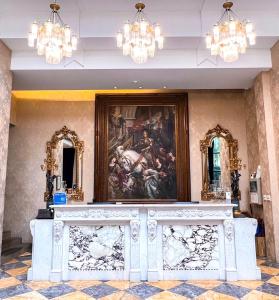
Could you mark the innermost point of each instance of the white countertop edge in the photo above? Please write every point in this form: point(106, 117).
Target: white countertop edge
point(200, 205)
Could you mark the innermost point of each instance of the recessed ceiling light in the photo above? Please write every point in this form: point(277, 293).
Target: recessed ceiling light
point(135, 81)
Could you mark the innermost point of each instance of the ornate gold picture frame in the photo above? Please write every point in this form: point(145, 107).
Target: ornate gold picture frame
point(51, 164)
point(233, 164)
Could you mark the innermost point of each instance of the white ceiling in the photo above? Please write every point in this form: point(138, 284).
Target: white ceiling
point(184, 62)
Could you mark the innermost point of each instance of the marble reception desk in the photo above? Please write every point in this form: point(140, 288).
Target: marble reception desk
point(144, 242)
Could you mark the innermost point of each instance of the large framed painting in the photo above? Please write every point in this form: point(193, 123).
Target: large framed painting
point(141, 148)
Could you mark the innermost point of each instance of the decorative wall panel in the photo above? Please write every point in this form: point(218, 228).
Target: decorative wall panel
point(96, 248)
point(190, 247)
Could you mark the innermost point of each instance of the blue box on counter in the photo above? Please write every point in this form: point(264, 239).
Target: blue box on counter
point(60, 199)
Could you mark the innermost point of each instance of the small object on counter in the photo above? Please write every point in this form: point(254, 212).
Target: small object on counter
point(235, 192)
point(60, 198)
point(228, 197)
point(45, 214)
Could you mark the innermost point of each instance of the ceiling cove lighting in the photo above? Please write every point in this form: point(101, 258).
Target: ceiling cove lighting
point(140, 37)
point(53, 39)
point(230, 37)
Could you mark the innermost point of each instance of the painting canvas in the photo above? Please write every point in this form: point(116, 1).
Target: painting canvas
point(137, 155)
point(142, 152)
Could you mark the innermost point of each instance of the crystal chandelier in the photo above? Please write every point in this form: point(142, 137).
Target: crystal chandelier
point(53, 38)
point(230, 36)
point(139, 38)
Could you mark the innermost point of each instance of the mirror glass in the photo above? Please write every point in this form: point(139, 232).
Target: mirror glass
point(66, 158)
point(218, 165)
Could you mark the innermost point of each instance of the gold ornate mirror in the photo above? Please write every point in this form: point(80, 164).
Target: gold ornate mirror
point(64, 162)
point(219, 159)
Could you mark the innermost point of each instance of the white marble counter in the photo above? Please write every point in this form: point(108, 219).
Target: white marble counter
point(145, 242)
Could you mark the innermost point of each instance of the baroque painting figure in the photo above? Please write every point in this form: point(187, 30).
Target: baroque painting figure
point(145, 147)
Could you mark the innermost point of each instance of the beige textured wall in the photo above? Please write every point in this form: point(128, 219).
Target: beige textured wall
point(252, 141)
point(263, 143)
point(13, 112)
point(206, 110)
point(36, 122)
point(261, 130)
point(275, 98)
point(261, 90)
point(251, 131)
point(274, 110)
point(5, 104)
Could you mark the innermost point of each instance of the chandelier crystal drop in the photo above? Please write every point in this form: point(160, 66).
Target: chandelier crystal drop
point(53, 38)
point(230, 37)
point(140, 37)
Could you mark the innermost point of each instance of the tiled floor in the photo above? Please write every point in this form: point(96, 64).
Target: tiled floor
point(13, 285)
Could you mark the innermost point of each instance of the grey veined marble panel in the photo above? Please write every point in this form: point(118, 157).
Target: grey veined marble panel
point(190, 247)
point(96, 248)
